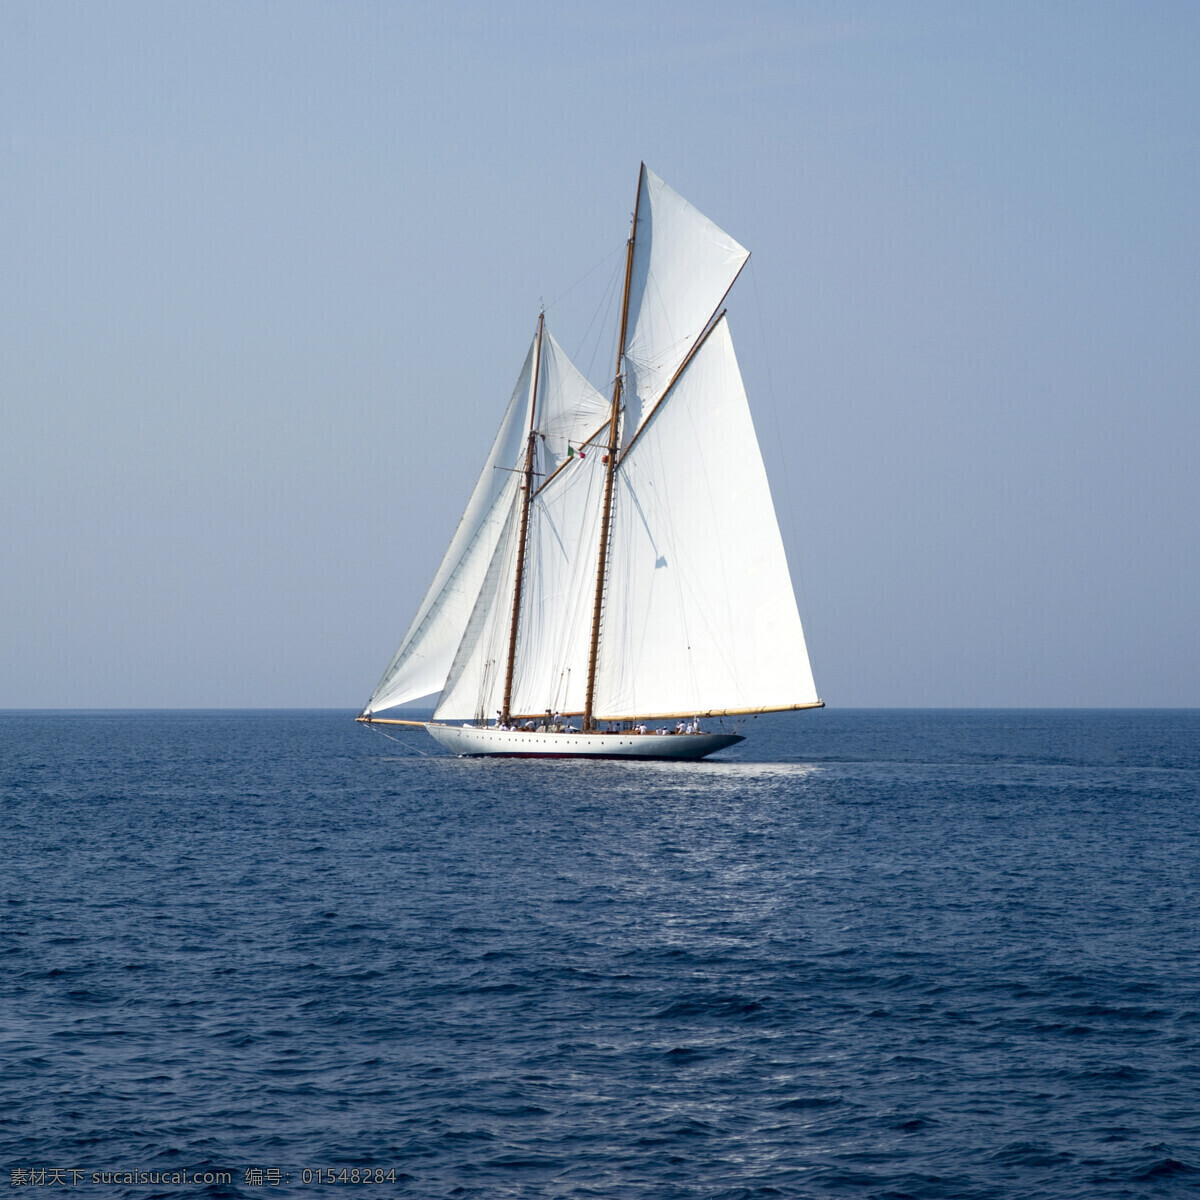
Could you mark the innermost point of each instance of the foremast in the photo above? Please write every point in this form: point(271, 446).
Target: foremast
point(614, 433)
point(526, 496)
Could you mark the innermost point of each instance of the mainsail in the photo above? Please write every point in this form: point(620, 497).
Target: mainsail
point(620, 559)
point(699, 613)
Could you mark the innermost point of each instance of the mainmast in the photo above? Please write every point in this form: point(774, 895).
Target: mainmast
point(526, 495)
point(614, 422)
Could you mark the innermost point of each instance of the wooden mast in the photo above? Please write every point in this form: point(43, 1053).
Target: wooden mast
point(526, 496)
point(589, 722)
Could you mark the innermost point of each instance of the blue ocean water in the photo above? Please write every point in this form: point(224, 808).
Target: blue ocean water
point(862, 954)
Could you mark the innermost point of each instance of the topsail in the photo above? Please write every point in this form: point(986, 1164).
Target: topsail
point(683, 267)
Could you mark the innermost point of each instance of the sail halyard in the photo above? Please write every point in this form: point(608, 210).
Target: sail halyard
point(609, 475)
point(526, 497)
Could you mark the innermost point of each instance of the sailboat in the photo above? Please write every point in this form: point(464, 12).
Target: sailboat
point(618, 580)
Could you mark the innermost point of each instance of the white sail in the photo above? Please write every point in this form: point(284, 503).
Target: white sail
point(560, 560)
point(569, 409)
point(421, 664)
point(682, 267)
point(699, 612)
point(475, 684)
point(559, 588)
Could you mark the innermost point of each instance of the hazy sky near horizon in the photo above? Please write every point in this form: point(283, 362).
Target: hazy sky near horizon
point(268, 273)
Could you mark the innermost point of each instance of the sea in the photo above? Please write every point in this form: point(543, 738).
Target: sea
point(863, 954)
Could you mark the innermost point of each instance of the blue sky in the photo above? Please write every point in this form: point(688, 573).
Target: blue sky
point(269, 272)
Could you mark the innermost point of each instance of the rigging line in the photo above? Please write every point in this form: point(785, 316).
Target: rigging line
point(587, 274)
point(372, 726)
point(607, 300)
point(796, 559)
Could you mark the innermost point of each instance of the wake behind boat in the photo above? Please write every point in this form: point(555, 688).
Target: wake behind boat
point(619, 561)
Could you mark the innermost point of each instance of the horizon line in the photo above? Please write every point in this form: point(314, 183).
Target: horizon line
point(414, 710)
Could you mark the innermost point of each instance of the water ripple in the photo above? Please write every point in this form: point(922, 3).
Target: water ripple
point(861, 954)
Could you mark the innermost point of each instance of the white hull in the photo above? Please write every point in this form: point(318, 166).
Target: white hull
point(515, 743)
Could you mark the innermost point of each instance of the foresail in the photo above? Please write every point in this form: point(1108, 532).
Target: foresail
point(421, 664)
point(699, 612)
point(682, 267)
point(475, 683)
